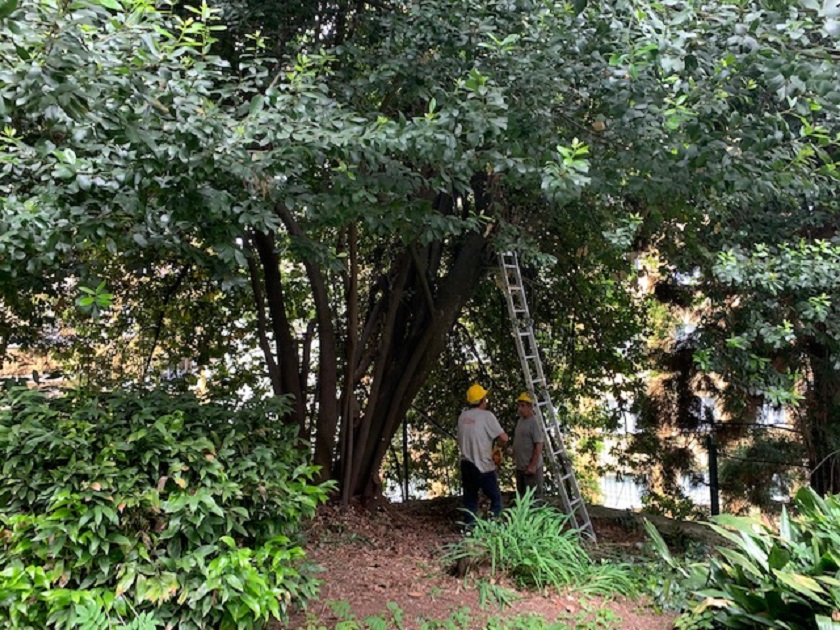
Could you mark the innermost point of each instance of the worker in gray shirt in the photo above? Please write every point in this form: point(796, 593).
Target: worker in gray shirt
point(528, 447)
point(477, 429)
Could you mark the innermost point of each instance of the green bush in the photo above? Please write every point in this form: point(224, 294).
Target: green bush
point(533, 545)
point(786, 578)
point(149, 509)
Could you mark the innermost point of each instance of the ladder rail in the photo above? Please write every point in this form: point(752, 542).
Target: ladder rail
point(526, 346)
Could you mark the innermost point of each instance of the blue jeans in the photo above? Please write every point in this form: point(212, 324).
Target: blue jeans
point(474, 480)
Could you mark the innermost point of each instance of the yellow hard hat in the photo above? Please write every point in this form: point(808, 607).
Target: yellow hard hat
point(475, 394)
point(525, 397)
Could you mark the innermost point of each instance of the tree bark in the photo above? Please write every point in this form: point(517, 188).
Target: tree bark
point(411, 311)
point(417, 338)
point(262, 327)
point(348, 406)
point(327, 389)
point(287, 358)
point(822, 434)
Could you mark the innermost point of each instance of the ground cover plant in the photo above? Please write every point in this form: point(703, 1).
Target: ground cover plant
point(149, 508)
point(465, 619)
point(785, 576)
point(394, 554)
point(532, 544)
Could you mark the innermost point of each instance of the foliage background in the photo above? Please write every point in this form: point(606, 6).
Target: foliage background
point(150, 503)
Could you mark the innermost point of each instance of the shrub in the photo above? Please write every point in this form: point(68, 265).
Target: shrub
point(787, 578)
point(151, 509)
point(533, 545)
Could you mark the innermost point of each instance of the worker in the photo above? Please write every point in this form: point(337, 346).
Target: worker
point(528, 447)
point(478, 428)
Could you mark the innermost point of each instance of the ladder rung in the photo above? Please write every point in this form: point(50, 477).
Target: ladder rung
point(529, 356)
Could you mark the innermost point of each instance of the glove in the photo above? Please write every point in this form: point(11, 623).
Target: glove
point(497, 455)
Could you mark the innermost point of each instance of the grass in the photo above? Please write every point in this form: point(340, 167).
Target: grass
point(532, 545)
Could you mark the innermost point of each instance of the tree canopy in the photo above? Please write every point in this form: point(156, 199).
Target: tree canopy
point(329, 185)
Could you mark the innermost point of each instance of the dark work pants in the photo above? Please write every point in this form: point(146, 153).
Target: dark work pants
point(474, 480)
point(535, 481)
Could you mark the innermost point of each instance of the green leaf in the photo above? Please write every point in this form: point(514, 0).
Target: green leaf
point(7, 7)
point(785, 530)
point(803, 584)
point(234, 582)
point(826, 623)
point(252, 603)
point(125, 582)
point(658, 542)
point(778, 557)
point(257, 104)
point(744, 562)
point(809, 502)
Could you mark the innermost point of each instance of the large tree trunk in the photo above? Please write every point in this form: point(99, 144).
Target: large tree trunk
point(287, 370)
point(387, 357)
point(822, 431)
point(415, 336)
point(327, 389)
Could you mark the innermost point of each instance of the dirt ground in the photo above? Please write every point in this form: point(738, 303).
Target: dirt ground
point(394, 555)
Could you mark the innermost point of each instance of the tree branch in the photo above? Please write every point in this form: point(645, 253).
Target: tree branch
point(161, 316)
point(385, 349)
point(286, 351)
point(424, 283)
point(347, 410)
point(327, 370)
point(262, 329)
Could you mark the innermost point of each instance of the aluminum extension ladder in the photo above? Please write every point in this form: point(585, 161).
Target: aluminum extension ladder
point(526, 346)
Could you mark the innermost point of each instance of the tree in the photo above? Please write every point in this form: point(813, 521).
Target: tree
point(359, 191)
point(783, 341)
point(752, 259)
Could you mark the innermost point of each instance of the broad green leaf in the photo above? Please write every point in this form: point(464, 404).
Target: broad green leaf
point(747, 564)
point(126, 581)
point(803, 584)
point(826, 623)
point(785, 525)
point(257, 104)
point(7, 7)
point(778, 557)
